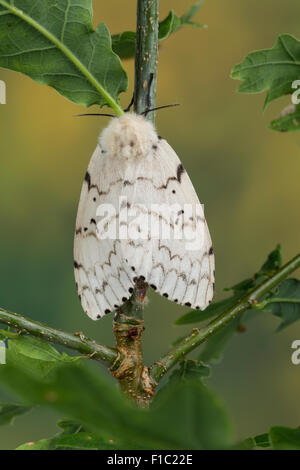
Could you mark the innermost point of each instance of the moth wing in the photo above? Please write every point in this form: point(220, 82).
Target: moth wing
point(103, 279)
point(180, 269)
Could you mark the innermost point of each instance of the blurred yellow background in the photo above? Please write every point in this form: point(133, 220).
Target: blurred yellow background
point(246, 175)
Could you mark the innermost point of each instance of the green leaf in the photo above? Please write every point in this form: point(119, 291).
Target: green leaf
point(7, 334)
point(8, 411)
point(189, 369)
point(123, 44)
point(43, 444)
point(88, 399)
point(262, 440)
point(214, 347)
point(54, 43)
point(251, 443)
point(246, 444)
point(272, 70)
point(272, 263)
point(284, 438)
point(168, 26)
point(289, 312)
point(186, 17)
point(69, 428)
point(192, 414)
point(288, 120)
point(213, 310)
point(34, 348)
point(173, 23)
point(96, 403)
point(39, 368)
point(85, 441)
point(36, 357)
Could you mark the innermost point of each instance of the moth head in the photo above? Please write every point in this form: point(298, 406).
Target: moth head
point(129, 136)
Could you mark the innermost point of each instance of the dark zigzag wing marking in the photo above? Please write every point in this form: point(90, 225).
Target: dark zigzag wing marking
point(187, 192)
point(87, 253)
point(106, 284)
point(160, 247)
point(179, 172)
point(108, 263)
point(188, 281)
point(208, 277)
point(100, 290)
point(194, 298)
point(183, 276)
point(117, 216)
point(131, 183)
point(211, 270)
point(179, 273)
point(115, 288)
point(88, 234)
point(83, 298)
point(205, 254)
point(105, 193)
point(111, 252)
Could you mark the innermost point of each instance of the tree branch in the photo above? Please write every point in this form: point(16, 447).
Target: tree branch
point(133, 376)
point(77, 341)
point(116, 358)
point(146, 58)
point(131, 373)
point(198, 336)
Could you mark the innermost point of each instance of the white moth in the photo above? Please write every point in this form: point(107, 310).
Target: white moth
point(139, 218)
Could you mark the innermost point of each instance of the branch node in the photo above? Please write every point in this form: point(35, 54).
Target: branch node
point(122, 366)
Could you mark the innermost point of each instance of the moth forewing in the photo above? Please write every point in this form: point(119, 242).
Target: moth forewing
point(139, 217)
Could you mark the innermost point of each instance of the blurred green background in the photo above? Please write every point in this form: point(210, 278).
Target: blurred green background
point(246, 175)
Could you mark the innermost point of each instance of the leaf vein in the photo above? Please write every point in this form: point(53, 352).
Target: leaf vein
point(287, 49)
point(65, 21)
point(28, 51)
